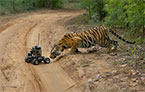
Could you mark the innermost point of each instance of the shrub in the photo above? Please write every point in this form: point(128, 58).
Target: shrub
point(54, 4)
point(126, 14)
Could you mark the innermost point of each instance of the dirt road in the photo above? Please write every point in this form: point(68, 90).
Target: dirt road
point(17, 38)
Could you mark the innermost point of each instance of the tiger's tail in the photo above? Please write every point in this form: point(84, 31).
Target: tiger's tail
point(121, 37)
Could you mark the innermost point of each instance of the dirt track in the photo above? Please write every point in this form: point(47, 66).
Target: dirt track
point(19, 36)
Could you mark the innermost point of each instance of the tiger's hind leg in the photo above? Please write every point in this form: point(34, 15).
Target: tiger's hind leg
point(115, 44)
point(112, 46)
point(109, 48)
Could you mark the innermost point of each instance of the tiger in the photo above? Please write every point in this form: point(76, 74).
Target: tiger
point(86, 39)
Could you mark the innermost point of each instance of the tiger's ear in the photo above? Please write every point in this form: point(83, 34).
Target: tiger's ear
point(54, 45)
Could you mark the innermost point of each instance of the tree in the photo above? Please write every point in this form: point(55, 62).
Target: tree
point(94, 7)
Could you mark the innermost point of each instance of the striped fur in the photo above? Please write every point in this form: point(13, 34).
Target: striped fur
point(86, 39)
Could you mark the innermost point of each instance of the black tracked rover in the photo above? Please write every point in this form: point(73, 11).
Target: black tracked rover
point(35, 57)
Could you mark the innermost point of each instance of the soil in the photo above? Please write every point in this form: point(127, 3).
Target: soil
point(91, 70)
point(17, 37)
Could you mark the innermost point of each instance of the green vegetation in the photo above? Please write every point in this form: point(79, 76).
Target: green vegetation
point(55, 4)
point(70, 6)
point(126, 14)
point(14, 6)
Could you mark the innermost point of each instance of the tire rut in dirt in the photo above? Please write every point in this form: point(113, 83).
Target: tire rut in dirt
point(38, 84)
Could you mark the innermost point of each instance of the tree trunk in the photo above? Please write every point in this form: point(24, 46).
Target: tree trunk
point(13, 4)
point(33, 2)
point(39, 5)
point(90, 14)
point(47, 3)
point(143, 32)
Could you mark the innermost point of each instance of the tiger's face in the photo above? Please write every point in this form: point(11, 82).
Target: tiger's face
point(56, 51)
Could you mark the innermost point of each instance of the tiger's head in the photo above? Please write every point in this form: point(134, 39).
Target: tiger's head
point(56, 50)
